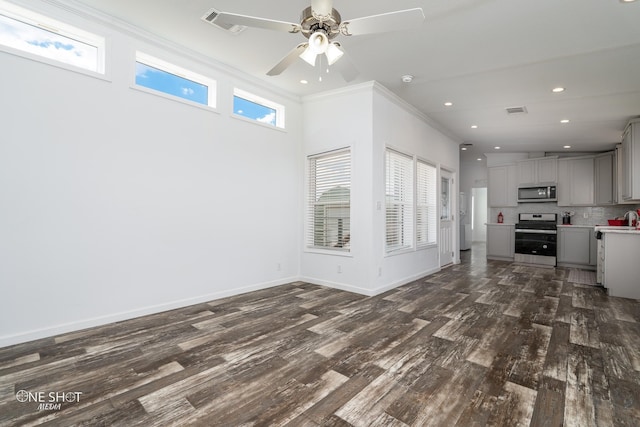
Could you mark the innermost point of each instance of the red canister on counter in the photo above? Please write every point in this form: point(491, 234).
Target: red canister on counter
point(500, 218)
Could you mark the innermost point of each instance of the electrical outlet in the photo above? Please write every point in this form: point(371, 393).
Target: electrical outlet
point(278, 267)
point(379, 271)
point(585, 215)
point(339, 268)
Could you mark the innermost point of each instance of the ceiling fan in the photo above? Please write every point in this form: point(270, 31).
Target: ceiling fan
point(321, 24)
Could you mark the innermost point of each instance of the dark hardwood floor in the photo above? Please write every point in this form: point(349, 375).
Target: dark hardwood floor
point(480, 343)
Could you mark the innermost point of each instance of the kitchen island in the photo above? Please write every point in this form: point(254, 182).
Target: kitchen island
point(619, 256)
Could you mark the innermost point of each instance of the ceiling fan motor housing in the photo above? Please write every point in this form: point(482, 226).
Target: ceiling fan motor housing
point(310, 24)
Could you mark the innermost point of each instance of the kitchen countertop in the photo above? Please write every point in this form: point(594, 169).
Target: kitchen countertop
point(617, 229)
point(499, 223)
point(575, 226)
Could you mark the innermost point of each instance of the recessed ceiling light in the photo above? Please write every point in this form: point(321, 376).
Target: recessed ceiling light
point(567, 146)
point(479, 159)
point(557, 89)
point(496, 148)
point(627, 1)
point(563, 121)
point(304, 82)
point(474, 126)
point(407, 78)
point(464, 148)
point(448, 104)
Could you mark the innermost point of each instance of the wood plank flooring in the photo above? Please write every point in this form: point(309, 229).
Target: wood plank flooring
point(477, 344)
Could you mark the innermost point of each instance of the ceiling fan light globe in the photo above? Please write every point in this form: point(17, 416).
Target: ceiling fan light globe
point(309, 56)
point(333, 53)
point(318, 42)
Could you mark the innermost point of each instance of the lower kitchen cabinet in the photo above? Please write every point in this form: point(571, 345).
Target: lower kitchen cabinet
point(621, 267)
point(501, 241)
point(577, 247)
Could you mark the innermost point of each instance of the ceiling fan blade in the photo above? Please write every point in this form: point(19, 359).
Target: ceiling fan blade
point(321, 8)
point(392, 21)
point(251, 21)
point(289, 59)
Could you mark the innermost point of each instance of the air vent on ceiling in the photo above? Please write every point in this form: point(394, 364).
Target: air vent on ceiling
point(211, 16)
point(516, 110)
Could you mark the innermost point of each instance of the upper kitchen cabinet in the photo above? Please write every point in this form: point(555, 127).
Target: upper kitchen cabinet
point(630, 153)
point(605, 179)
point(503, 191)
point(576, 181)
point(538, 171)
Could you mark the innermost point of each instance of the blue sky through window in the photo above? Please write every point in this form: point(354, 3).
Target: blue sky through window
point(254, 111)
point(38, 41)
point(163, 81)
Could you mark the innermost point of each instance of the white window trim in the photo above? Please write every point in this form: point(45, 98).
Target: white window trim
point(52, 25)
point(320, 249)
point(280, 109)
point(412, 246)
point(170, 68)
point(429, 244)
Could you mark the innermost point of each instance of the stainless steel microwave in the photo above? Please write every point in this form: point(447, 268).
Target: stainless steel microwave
point(537, 194)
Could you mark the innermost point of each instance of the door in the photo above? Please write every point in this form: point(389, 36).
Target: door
point(446, 218)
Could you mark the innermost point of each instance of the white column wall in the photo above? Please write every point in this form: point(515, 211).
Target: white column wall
point(331, 121)
point(368, 117)
point(399, 126)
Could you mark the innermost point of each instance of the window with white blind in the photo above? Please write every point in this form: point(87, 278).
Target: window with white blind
point(426, 203)
point(329, 207)
point(399, 201)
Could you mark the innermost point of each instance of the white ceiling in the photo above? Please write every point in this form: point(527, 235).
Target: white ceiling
point(482, 55)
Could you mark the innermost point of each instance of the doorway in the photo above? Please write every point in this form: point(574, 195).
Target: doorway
point(479, 214)
point(446, 218)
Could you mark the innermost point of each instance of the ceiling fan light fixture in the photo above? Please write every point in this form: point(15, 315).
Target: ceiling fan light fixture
point(333, 53)
point(318, 42)
point(309, 56)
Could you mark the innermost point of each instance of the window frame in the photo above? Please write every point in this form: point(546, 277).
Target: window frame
point(405, 229)
point(312, 203)
point(56, 27)
point(179, 71)
point(430, 215)
point(264, 102)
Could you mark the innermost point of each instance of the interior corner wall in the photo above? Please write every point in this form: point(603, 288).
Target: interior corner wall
point(117, 203)
point(368, 118)
point(399, 126)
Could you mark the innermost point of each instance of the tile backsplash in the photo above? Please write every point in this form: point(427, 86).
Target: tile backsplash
point(595, 215)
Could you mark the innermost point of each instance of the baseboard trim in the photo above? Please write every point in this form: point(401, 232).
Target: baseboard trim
point(366, 291)
point(406, 280)
point(48, 332)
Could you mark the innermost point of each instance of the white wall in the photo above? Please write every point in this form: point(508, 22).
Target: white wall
point(480, 203)
point(336, 120)
point(473, 174)
point(117, 203)
point(400, 126)
point(368, 118)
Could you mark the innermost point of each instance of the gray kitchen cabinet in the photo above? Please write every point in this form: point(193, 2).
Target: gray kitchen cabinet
point(502, 188)
point(576, 247)
point(540, 171)
point(630, 153)
point(605, 179)
point(621, 267)
point(501, 241)
point(576, 181)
